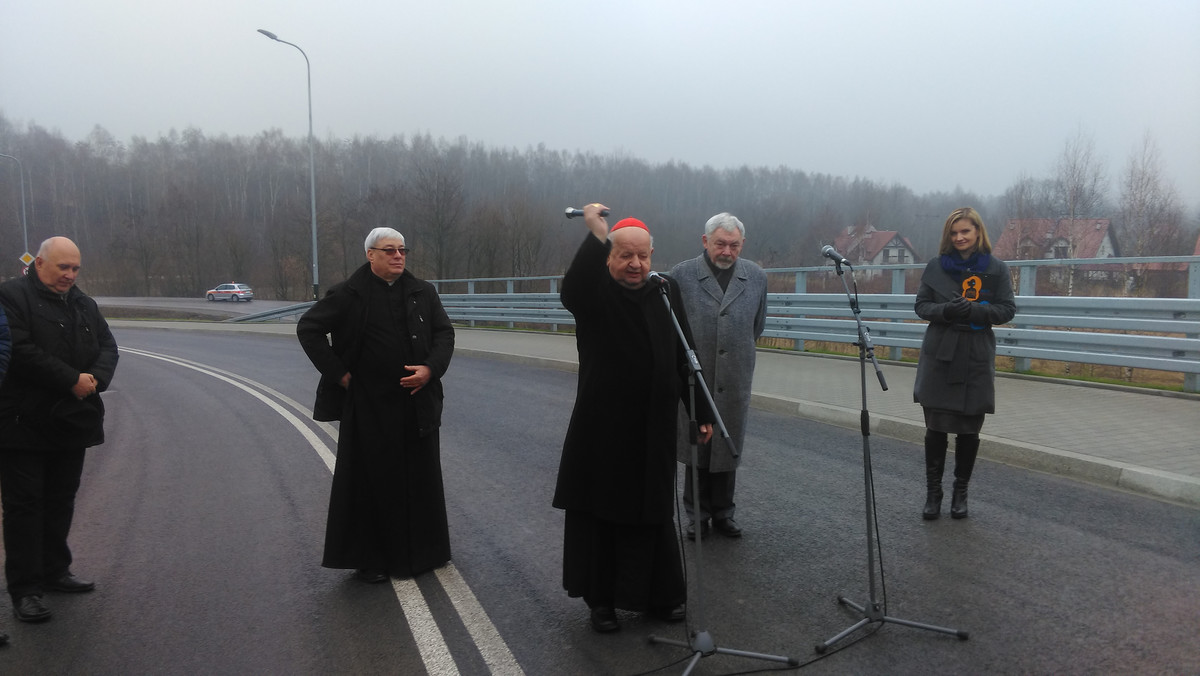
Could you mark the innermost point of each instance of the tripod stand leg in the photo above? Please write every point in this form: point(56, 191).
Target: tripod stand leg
point(847, 602)
point(875, 615)
point(962, 635)
point(702, 645)
point(822, 647)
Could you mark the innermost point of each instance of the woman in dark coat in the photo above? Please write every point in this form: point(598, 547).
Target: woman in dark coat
point(381, 377)
point(963, 293)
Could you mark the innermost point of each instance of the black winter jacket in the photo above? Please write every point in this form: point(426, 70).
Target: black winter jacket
point(342, 315)
point(54, 339)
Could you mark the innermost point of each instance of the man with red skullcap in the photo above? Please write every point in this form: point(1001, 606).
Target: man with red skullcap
point(616, 479)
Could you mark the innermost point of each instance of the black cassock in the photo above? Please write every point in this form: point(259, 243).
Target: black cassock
point(387, 509)
point(616, 478)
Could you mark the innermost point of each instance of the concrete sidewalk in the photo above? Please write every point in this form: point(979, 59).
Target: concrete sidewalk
point(1135, 439)
point(1138, 440)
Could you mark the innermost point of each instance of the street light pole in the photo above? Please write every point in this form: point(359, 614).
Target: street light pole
point(312, 167)
point(24, 226)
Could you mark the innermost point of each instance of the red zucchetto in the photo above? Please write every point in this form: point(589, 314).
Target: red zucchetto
point(630, 223)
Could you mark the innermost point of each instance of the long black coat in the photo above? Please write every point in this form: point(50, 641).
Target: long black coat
point(54, 339)
point(386, 506)
point(618, 459)
point(5, 344)
point(957, 367)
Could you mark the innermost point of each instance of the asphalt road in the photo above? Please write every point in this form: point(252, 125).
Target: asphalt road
point(202, 519)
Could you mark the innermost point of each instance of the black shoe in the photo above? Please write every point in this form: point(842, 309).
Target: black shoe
point(30, 609)
point(604, 619)
point(727, 527)
point(676, 614)
point(691, 529)
point(370, 575)
point(70, 584)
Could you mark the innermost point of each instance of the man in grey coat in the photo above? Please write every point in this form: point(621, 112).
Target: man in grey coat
point(726, 301)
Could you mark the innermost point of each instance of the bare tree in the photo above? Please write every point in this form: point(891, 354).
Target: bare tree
point(528, 232)
point(181, 212)
point(1080, 184)
point(1079, 189)
point(1027, 199)
point(439, 202)
point(1151, 212)
point(487, 241)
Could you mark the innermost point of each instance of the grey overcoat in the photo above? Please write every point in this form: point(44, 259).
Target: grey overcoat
point(725, 326)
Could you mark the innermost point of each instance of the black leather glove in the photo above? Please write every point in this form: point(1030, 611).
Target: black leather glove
point(959, 308)
point(978, 314)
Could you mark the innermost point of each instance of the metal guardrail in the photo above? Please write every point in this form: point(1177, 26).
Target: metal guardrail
point(273, 315)
point(1152, 333)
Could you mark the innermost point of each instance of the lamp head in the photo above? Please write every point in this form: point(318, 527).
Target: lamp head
point(268, 34)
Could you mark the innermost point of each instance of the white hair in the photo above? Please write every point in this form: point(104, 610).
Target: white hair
point(377, 234)
point(724, 221)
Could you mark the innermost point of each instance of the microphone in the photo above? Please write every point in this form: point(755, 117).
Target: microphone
point(572, 212)
point(832, 254)
point(656, 278)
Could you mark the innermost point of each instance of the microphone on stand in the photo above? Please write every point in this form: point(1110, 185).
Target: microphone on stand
point(572, 212)
point(656, 278)
point(832, 254)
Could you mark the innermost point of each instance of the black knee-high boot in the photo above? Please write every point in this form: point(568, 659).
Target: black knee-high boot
point(935, 462)
point(966, 447)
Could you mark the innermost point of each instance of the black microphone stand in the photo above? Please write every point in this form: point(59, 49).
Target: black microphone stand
point(701, 642)
point(873, 611)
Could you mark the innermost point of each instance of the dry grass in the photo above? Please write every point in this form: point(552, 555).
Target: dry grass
point(1136, 377)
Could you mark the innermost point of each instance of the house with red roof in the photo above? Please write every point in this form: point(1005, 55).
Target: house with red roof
point(864, 245)
point(1034, 238)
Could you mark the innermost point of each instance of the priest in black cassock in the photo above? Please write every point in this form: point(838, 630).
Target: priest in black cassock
point(381, 377)
point(616, 479)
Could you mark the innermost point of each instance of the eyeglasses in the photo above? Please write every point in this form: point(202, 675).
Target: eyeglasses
point(391, 251)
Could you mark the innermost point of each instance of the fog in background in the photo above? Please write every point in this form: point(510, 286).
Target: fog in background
point(931, 95)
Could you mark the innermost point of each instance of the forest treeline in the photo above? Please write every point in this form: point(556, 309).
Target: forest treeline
point(176, 215)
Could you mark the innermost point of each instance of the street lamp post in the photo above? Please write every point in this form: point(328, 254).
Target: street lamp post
point(312, 167)
point(24, 226)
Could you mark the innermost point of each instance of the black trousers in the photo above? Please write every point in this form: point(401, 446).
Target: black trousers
point(716, 494)
point(37, 492)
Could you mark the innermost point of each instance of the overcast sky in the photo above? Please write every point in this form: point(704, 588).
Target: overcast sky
point(929, 94)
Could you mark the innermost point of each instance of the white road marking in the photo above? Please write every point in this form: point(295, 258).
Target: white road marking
point(430, 641)
point(491, 646)
point(319, 446)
